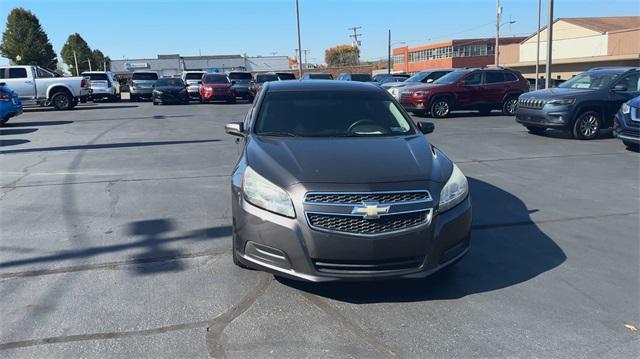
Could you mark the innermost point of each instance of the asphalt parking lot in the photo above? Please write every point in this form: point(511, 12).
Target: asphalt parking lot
point(115, 241)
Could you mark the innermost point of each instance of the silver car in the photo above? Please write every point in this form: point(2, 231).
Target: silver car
point(142, 83)
point(193, 80)
point(421, 78)
point(103, 85)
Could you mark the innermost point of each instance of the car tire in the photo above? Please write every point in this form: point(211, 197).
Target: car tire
point(509, 106)
point(155, 103)
point(133, 98)
point(62, 101)
point(4, 120)
point(587, 125)
point(536, 130)
point(630, 146)
point(440, 107)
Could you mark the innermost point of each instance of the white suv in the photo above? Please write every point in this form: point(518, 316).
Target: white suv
point(193, 79)
point(103, 85)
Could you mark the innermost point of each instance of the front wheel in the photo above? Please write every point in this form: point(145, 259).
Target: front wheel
point(62, 101)
point(587, 125)
point(509, 106)
point(441, 107)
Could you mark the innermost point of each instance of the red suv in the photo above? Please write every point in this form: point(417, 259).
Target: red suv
point(217, 87)
point(482, 89)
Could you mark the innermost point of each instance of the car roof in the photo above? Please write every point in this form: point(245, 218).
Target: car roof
point(615, 69)
point(322, 85)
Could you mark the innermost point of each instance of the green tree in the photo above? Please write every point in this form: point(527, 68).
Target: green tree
point(83, 53)
point(341, 55)
point(24, 41)
point(99, 61)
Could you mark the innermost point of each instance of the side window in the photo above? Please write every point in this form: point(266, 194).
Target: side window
point(2, 74)
point(508, 77)
point(492, 77)
point(17, 73)
point(434, 76)
point(42, 73)
point(474, 79)
point(631, 82)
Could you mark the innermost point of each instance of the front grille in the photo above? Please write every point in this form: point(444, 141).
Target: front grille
point(359, 198)
point(359, 225)
point(356, 267)
point(531, 103)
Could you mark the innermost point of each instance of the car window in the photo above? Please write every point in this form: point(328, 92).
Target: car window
point(474, 79)
point(330, 114)
point(286, 76)
point(451, 77)
point(2, 73)
point(42, 73)
point(144, 76)
point(97, 77)
point(361, 77)
point(320, 76)
point(215, 79)
point(631, 82)
point(492, 77)
point(266, 78)
point(591, 80)
point(17, 73)
point(508, 77)
point(437, 74)
point(240, 76)
point(193, 75)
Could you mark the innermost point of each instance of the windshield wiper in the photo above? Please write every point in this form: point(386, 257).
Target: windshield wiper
point(278, 133)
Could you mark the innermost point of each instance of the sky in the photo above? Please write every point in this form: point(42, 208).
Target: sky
point(144, 28)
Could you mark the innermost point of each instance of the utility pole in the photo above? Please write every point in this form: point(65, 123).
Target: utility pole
point(355, 40)
point(305, 58)
point(549, 42)
point(389, 55)
point(299, 43)
point(75, 59)
point(497, 48)
point(538, 45)
point(104, 65)
point(89, 61)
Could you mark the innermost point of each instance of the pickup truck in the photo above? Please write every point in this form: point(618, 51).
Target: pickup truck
point(35, 85)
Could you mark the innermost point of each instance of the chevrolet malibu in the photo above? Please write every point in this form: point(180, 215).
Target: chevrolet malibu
point(337, 183)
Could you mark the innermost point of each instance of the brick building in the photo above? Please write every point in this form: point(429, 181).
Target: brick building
point(452, 53)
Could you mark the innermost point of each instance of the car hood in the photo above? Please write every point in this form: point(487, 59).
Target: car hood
point(556, 92)
point(400, 84)
point(169, 88)
point(218, 86)
point(635, 102)
point(287, 161)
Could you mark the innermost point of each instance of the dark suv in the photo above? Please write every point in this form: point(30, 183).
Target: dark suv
point(482, 89)
point(242, 83)
point(582, 105)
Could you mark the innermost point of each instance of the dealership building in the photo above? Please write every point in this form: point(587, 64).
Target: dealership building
point(173, 65)
point(448, 54)
point(578, 44)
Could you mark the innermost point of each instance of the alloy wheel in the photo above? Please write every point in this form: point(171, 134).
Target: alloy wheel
point(61, 101)
point(441, 108)
point(510, 106)
point(589, 125)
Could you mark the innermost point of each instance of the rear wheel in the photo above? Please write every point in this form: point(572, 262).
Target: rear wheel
point(62, 101)
point(587, 125)
point(441, 107)
point(536, 130)
point(509, 106)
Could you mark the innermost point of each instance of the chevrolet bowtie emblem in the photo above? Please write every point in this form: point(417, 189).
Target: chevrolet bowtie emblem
point(370, 210)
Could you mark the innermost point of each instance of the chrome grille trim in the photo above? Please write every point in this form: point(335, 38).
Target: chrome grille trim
point(531, 103)
point(427, 213)
point(426, 197)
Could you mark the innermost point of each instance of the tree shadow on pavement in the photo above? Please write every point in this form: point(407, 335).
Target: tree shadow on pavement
point(36, 123)
point(507, 248)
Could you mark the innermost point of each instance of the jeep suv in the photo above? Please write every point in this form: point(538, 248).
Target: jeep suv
point(142, 83)
point(482, 89)
point(582, 105)
point(242, 83)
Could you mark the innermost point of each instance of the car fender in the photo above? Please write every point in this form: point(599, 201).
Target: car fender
point(54, 87)
point(512, 93)
point(596, 105)
point(449, 95)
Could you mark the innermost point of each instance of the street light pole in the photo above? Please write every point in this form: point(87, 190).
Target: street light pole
point(549, 42)
point(538, 45)
point(75, 60)
point(497, 47)
point(389, 55)
point(299, 42)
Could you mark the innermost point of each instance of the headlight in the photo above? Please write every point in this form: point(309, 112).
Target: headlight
point(562, 101)
point(626, 109)
point(420, 93)
point(264, 194)
point(454, 191)
point(157, 92)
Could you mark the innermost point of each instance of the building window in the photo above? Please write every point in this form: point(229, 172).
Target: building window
point(430, 54)
point(398, 59)
point(472, 50)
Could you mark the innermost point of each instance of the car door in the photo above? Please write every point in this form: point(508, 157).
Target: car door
point(493, 88)
point(19, 80)
point(631, 89)
point(469, 90)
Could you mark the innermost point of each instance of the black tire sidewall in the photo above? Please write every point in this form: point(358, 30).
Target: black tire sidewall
point(505, 103)
point(58, 94)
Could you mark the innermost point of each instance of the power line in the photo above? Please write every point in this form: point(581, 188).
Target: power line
point(356, 42)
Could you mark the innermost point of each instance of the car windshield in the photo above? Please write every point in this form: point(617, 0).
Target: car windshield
point(265, 78)
point(215, 79)
point(97, 77)
point(170, 82)
point(286, 76)
point(145, 76)
point(418, 77)
point(330, 114)
point(194, 76)
point(451, 77)
point(320, 76)
point(361, 77)
point(592, 80)
point(240, 76)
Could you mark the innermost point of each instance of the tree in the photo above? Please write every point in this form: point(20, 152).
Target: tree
point(99, 61)
point(341, 55)
point(83, 53)
point(24, 41)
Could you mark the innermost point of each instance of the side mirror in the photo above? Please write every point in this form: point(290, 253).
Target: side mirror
point(235, 129)
point(620, 87)
point(426, 127)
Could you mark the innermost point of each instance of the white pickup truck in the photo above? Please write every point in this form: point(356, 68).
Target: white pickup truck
point(35, 85)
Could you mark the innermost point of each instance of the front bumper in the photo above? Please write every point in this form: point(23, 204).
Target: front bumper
point(142, 91)
point(290, 248)
point(411, 104)
point(170, 97)
point(217, 96)
point(549, 116)
point(626, 129)
point(194, 91)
